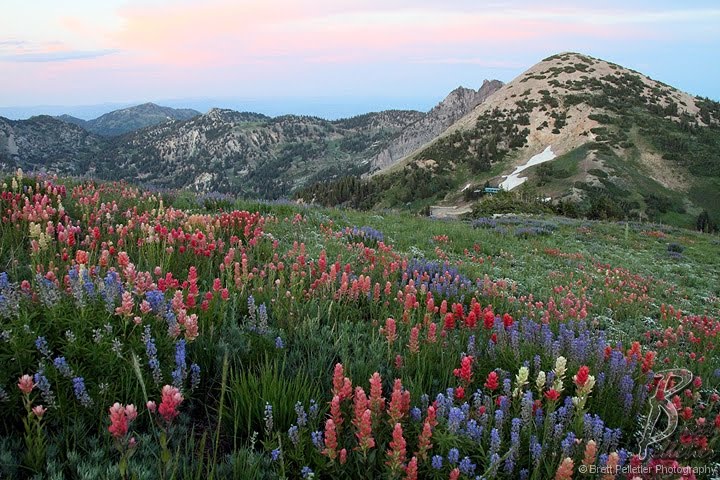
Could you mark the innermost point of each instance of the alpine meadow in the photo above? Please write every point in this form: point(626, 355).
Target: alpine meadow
point(254, 272)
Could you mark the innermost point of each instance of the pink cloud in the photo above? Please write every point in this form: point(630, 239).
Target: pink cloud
point(251, 32)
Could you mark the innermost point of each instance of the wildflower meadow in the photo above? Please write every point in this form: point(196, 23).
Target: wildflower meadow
point(158, 334)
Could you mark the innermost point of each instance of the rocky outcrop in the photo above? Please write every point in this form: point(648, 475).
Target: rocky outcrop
point(457, 104)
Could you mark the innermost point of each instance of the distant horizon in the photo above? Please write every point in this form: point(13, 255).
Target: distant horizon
point(329, 108)
point(326, 107)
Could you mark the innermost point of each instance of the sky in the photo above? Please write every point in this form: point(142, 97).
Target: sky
point(332, 58)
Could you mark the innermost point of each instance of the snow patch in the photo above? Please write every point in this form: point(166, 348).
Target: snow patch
point(513, 180)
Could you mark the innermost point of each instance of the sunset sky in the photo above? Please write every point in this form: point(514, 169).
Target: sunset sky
point(355, 55)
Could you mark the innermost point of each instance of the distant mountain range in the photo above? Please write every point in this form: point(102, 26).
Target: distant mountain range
point(126, 120)
point(572, 128)
point(224, 150)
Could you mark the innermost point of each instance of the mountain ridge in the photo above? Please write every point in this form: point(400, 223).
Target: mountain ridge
point(126, 120)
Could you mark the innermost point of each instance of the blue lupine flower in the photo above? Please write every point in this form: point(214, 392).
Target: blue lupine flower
point(81, 392)
point(151, 352)
point(62, 366)
point(453, 456)
point(455, 418)
point(313, 410)
point(194, 376)
point(43, 384)
point(293, 434)
point(568, 444)
point(42, 345)
point(474, 430)
point(301, 415)
point(268, 416)
point(279, 343)
point(317, 439)
point(535, 450)
point(467, 467)
point(494, 441)
point(307, 472)
point(275, 454)
point(416, 414)
point(499, 417)
point(156, 299)
point(180, 372)
point(437, 462)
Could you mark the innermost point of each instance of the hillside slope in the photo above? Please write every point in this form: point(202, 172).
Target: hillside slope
point(605, 130)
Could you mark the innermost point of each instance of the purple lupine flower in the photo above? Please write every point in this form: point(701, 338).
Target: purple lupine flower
point(494, 441)
point(43, 384)
point(179, 374)
point(313, 410)
point(151, 352)
point(301, 415)
point(62, 366)
point(499, 417)
point(42, 345)
point(509, 465)
point(317, 439)
point(600, 381)
point(294, 435)
point(467, 467)
point(416, 414)
point(81, 392)
point(194, 376)
point(535, 450)
point(424, 401)
point(471, 346)
point(156, 299)
point(526, 407)
point(268, 417)
point(453, 456)
point(568, 444)
point(455, 418)
point(474, 431)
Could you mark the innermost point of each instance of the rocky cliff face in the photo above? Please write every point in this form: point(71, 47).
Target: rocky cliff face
point(46, 143)
point(456, 105)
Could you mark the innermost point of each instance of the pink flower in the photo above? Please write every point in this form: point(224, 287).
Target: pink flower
point(171, 399)
point(26, 384)
point(118, 421)
point(330, 440)
point(39, 411)
point(130, 412)
point(151, 406)
point(397, 450)
point(364, 433)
